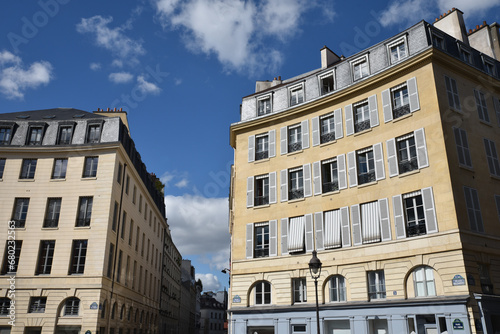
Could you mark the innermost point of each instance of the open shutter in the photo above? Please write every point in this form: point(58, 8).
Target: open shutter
point(309, 233)
point(372, 107)
point(356, 225)
point(284, 236)
point(496, 103)
point(413, 94)
point(392, 157)
point(349, 120)
point(318, 224)
point(379, 161)
point(346, 228)
point(342, 171)
point(315, 131)
point(399, 219)
point(273, 194)
point(429, 210)
point(317, 177)
point(284, 140)
point(422, 159)
point(305, 134)
point(251, 148)
point(250, 197)
point(385, 222)
point(387, 105)
point(272, 143)
point(339, 131)
point(351, 165)
point(284, 185)
point(307, 180)
point(249, 243)
point(273, 238)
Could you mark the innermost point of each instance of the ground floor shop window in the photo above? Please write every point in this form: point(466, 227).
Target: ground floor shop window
point(377, 326)
point(337, 327)
point(427, 324)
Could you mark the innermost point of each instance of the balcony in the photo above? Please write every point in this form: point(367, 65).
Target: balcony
point(261, 200)
point(408, 165)
point(261, 155)
point(295, 194)
point(82, 222)
point(361, 126)
point(413, 230)
point(261, 252)
point(292, 147)
point(366, 177)
point(401, 111)
point(50, 222)
point(330, 186)
point(327, 137)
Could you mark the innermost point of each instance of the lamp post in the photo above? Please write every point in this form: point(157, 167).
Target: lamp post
point(315, 270)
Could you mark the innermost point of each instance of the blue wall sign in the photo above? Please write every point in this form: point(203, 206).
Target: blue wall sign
point(236, 299)
point(458, 324)
point(458, 280)
point(94, 306)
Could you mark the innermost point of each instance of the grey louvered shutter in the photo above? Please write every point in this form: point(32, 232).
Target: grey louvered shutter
point(413, 94)
point(315, 131)
point(341, 167)
point(284, 236)
point(272, 143)
point(317, 177)
point(309, 233)
point(392, 158)
point(346, 228)
point(307, 180)
point(372, 107)
point(379, 161)
point(430, 211)
point(385, 222)
point(387, 105)
point(284, 185)
point(349, 120)
point(496, 103)
point(251, 148)
point(273, 193)
point(356, 225)
point(351, 165)
point(250, 197)
point(273, 238)
point(399, 219)
point(339, 131)
point(422, 159)
point(305, 134)
point(318, 225)
point(249, 242)
point(284, 140)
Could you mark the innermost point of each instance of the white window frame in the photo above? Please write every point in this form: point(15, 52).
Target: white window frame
point(299, 285)
point(261, 136)
point(265, 190)
point(452, 93)
point(359, 61)
point(257, 226)
point(321, 77)
point(426, 280)
point(333, 177)
point(264, 98)
point(263, 284)
point(339, 291)
point(294, 92)
point(331, 127)
point(376, 285)
point(414, 208)
point(400, 41)
point(365, 152)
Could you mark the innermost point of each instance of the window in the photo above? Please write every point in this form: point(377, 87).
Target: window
point(370, 222)
point(119, 266)
point(437, 41)
point(137, 238)
point(59, 170)
point(110, 260)
point(465, 55)
point(84, 211)
point(485, 279)
point(65, 135)
point(261, 238)
point(4, 306)
point(299, 290)
point(400, 101)
point(398, 50)
point(462, 144)
point(332, 236)
point(28, 169)
point(360, 68)
point(261, 147)
point(473, 209)
point(489, 66)
point(52, 212)
point(45, 257)
point(35, 135)
point(119, 174)
point(90, 168)
point(361, 116)
point(20, 212)
point(296, 235)
point(2, 167)
point(37, 304)
point(127, 184)
point(329, 175)
point(294, 138)
point(263, 293)
point(366, 166)
point(492, 157)
point(131, 232)
point(327, 128)
point(407, 153)
point(414, 214)
point(134, 193)
point(452, 93)
point(296, 183)
point(10, 264)
point(93, 133)
point(71, 306)
point(124, 225)
point(296, 95)
point(115, 217)
point(127, 270)
point(326, 83)
point(261, 190)
point(423, 279)
point(264, 105)
point(78, 256)
point(376, 285)
point(337, 289)
point(5, 135)
point(482, 109)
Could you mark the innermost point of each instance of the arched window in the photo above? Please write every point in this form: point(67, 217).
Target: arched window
point(113, 311)
point(71, 306)
point(262, 293)
point(136, 315)
point(103, 310)
point(129, 313)
point(122, 312)
point(336, 288)
point(423, 279)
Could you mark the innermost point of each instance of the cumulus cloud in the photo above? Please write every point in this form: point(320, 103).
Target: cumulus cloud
point(147, 87)
point(120, 77)
point(15, 78)
point(210, 282)
point(182, 183)
point(95, 66)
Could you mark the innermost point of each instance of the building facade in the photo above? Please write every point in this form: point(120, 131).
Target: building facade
point(83, 225)
point(386, 163)
point(213, 313)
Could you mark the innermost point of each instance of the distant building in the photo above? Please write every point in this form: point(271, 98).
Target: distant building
point(213, 313)
point(188, 303)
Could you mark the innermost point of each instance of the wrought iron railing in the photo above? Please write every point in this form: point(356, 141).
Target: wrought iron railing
point(80, 222)
point(261, 200)
point(361, 126)
point(327, 137)
point(296, 193)
point(261, 155)
point(408, 165)
point(330, 186)
point(294, 147)
point(366, 177)
point(261, 252)
point(416, 229)
point(50, 222)
point(401, 111)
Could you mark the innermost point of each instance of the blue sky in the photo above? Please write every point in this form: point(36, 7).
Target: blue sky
point(180, 68)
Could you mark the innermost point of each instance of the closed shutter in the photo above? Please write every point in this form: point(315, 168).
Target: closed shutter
point(307, 180)
point(273, 193)
point(387, 105)
point(370, 222)
point(305, 134)
point(251, 148)
point(496, 103)
point(356, 225)
point(333, 229)
point(351, 165)
point(317, 177)
point(296, 237)
point(413, 94)
point(309, 233)
point(385, 222)
point(315, 131)
point(349, 120)
point(250, 197)
point(284, 236)
point(284, 140)
point(379, 161)
point(342, 171)
point(346, 227)
point(492, 157)
point(272, 143)
point(318, 225)
point(249, 243)
point(284, 185)
point(392, 158)
point(422, 158)
point(399, 219)
point(339, 131)
point(429, 209)
point(273, 238)
point(372, 106)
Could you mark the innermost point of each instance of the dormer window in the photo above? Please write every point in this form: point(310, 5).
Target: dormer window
point(489, 66)
point(296, 94)
point(437, 41)
point(465, 54)
point(5, 135)
point(360, 68)
point(326, 82)
point(398, 50)
point(264, 105)
point(93, 133)
point(65, 134)
point(35, 135)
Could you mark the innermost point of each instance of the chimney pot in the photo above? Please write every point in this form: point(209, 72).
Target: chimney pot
point(279, 78)
point(449, 11)
point(121, 109)
point(484, 23)
point(108, 109)
point(477, 26)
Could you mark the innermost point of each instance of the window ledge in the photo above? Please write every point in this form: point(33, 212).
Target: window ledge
point(82, 227)
point(27, 180)
point(49, 228)
point(57, 180)
point(20, 228)
point(330, 193)
point(297, 200)
point(467, 168)
point(495, 177)
point(415, 171)
point(362, 132)
point(394, 120)
point(328, 143)
point(295, 152)
point(261, 160)
point(485, 123)
point(456, 110)
point(367, 184)
point(89, 178)
point(261, 206)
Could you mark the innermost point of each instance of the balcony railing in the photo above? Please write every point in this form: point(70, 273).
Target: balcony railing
point(261, 252)
point(294, 147)
point(327, 137)
point(330, 186)
point(50, 222)
point(295, 194)
point(80, 222)
point(401, 111)
point(416, 229)
point(19, 223)
point(261, 155)
point(261, 200)
point(408, 165)
point(366, 177)
point(361, 126)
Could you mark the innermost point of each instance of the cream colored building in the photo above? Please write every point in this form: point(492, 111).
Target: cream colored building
point(386, 163)
point(83, 222)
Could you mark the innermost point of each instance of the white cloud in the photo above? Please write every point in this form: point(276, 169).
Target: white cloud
point(15, 78)
point(120, 77)
point(210, 282)
point(117, 63)
point(177, 82)
point(468, 7)
point(95, 66)
point(182, 183)
point(147, 87)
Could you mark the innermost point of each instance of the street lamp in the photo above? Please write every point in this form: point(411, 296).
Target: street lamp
point(315, 270)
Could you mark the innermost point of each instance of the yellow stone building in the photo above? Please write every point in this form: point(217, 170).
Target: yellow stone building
point(386, 163)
